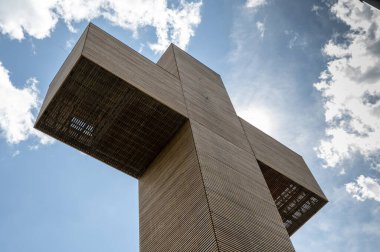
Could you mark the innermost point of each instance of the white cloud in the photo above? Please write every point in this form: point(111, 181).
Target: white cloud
point(259, 116)
point(17, 107)
point(350, 87)
point(364, 188)
point(38, 18)
point(255, 3)
point(35, 17)
point(261, 28)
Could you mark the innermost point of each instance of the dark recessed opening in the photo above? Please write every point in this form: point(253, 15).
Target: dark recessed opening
point(295, 203)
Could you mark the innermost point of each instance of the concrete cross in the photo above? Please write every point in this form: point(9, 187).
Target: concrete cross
point(208, 180)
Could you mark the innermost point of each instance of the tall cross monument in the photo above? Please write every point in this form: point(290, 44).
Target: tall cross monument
point(208, 180)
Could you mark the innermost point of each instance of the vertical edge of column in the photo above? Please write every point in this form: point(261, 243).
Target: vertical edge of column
point(173, 209)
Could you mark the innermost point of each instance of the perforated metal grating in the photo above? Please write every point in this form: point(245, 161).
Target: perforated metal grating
point(109, 119)
point(295, 203)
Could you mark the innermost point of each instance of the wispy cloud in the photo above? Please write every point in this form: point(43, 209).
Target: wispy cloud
point(16, 153)
point(316, 9)
point(17, 110)
point(261, 28)
point(69, 44)
point(296, 40)
point(34, 51)
point(350, 87)
point(38, 18)
point(265, 94)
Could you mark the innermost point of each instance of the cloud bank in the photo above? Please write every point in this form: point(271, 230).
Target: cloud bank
point(350, 87)
point(17, 107)
point(38, 18)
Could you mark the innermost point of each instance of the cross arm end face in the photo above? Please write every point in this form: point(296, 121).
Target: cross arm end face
point(294, 189)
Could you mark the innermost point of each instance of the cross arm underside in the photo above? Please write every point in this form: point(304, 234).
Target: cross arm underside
point(112, 103)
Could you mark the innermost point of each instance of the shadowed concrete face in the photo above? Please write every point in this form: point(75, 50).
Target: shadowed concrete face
point(374, 3)
point(109, 119)
point(208, 180)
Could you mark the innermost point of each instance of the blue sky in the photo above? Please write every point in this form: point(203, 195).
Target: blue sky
point(306, 72)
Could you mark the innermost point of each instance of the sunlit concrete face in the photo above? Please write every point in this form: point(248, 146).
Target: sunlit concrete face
point(208, 180)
